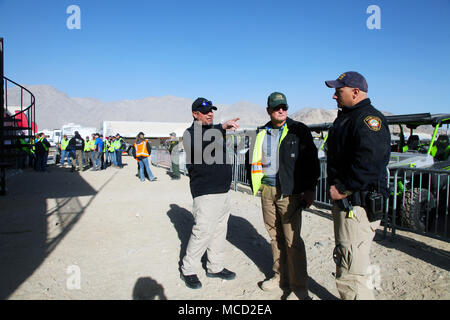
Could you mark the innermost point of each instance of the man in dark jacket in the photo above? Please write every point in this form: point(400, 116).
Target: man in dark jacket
point(358, 154)
point(76, 149)
point(210, 180)
point(42, 147)
point(285, 168)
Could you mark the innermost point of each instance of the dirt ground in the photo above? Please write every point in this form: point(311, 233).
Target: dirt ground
point(107, 235)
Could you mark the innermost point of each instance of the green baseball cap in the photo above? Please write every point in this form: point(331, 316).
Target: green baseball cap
point(275, 99)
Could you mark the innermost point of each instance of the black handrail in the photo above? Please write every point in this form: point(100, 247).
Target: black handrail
point(29, 112)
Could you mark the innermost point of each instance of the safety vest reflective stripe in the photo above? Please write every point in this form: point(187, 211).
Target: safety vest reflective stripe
point(141, 149)
point(257, 167)
point(64, 144)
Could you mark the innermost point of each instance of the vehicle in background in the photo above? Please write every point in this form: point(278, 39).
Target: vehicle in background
point(422, 195)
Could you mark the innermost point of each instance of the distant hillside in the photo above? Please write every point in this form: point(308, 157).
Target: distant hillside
point(55, 108)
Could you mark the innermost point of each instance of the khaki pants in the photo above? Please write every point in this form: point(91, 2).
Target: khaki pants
point(79, 159)
point(211, 213)
point(282, 218)
point(353, 238)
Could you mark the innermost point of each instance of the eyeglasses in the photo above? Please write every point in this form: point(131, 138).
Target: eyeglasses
point(281, 106)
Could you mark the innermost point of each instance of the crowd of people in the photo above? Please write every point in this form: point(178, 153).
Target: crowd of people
point(95, 153)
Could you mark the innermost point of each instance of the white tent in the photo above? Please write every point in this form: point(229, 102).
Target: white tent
point(130, 129)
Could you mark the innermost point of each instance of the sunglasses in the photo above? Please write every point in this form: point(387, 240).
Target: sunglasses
point(206, 112)
point(206, 103)
point(281, 106)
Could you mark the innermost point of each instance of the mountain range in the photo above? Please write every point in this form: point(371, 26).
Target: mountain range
point(55, 108)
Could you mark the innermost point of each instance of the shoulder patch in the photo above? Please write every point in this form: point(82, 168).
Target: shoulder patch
point(374, 123)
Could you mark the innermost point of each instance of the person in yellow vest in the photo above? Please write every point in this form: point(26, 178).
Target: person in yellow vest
point(64, 152)
point(141, 152)
point(92, 147)
point(112, 151)
point(119, 147)
point(285, 169)
point(42, 147)
point(87, 153)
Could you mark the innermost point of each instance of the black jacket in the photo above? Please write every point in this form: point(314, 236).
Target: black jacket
point(208, 175)
point(76, 143)
point(299, 166)
point(39, 146)
point(359, 149)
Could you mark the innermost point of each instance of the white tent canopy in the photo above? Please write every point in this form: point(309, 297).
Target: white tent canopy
point(130, 129)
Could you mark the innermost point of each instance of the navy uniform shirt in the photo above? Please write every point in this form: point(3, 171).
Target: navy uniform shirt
point(359, 149)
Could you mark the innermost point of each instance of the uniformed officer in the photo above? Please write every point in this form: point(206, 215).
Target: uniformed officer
point(358, 154)
point(174, 151)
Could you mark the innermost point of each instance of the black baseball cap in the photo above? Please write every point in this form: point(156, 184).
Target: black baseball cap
point(350, 79)
point(203, 105)
point(275, 99)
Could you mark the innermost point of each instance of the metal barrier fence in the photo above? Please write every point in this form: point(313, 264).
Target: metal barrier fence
point(419, 200)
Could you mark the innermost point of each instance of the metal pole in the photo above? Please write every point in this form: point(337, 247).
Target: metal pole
point(2, 115)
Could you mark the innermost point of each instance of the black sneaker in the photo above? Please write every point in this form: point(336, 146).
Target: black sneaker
point(191, 281)
point(224, 274)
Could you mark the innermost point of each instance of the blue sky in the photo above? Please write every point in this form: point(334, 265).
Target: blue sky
point(229, 51)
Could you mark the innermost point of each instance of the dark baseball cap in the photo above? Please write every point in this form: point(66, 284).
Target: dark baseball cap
point(203, 105)
point(350, 79)
point(275, 99)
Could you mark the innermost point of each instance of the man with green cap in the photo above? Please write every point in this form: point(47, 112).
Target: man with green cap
point(285, 169)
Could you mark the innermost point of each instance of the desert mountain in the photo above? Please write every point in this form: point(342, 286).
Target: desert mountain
point(55, 108)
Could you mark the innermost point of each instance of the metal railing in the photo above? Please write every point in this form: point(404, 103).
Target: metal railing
point(14, 124)
point(419, 200)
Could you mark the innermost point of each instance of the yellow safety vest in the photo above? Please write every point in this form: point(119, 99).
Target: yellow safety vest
point(64, 144)
point(257, 169)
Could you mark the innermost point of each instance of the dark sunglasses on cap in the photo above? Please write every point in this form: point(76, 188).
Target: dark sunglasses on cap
point(207, 103)
point(281, 106)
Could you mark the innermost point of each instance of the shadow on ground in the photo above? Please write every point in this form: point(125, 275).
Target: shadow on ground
point(148, 289)
point(38, 211)
point(243, 236)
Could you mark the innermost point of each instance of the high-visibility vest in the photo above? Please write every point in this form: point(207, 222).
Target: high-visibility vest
point(141, 149)
point(257, 169)
point(41, 140)
point(120, 141)
point(110, 146)
point(92, 145)
point(116, 144)
point(87, 146)
point(64, 144)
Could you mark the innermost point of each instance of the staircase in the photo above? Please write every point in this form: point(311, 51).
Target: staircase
point(16, 122)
